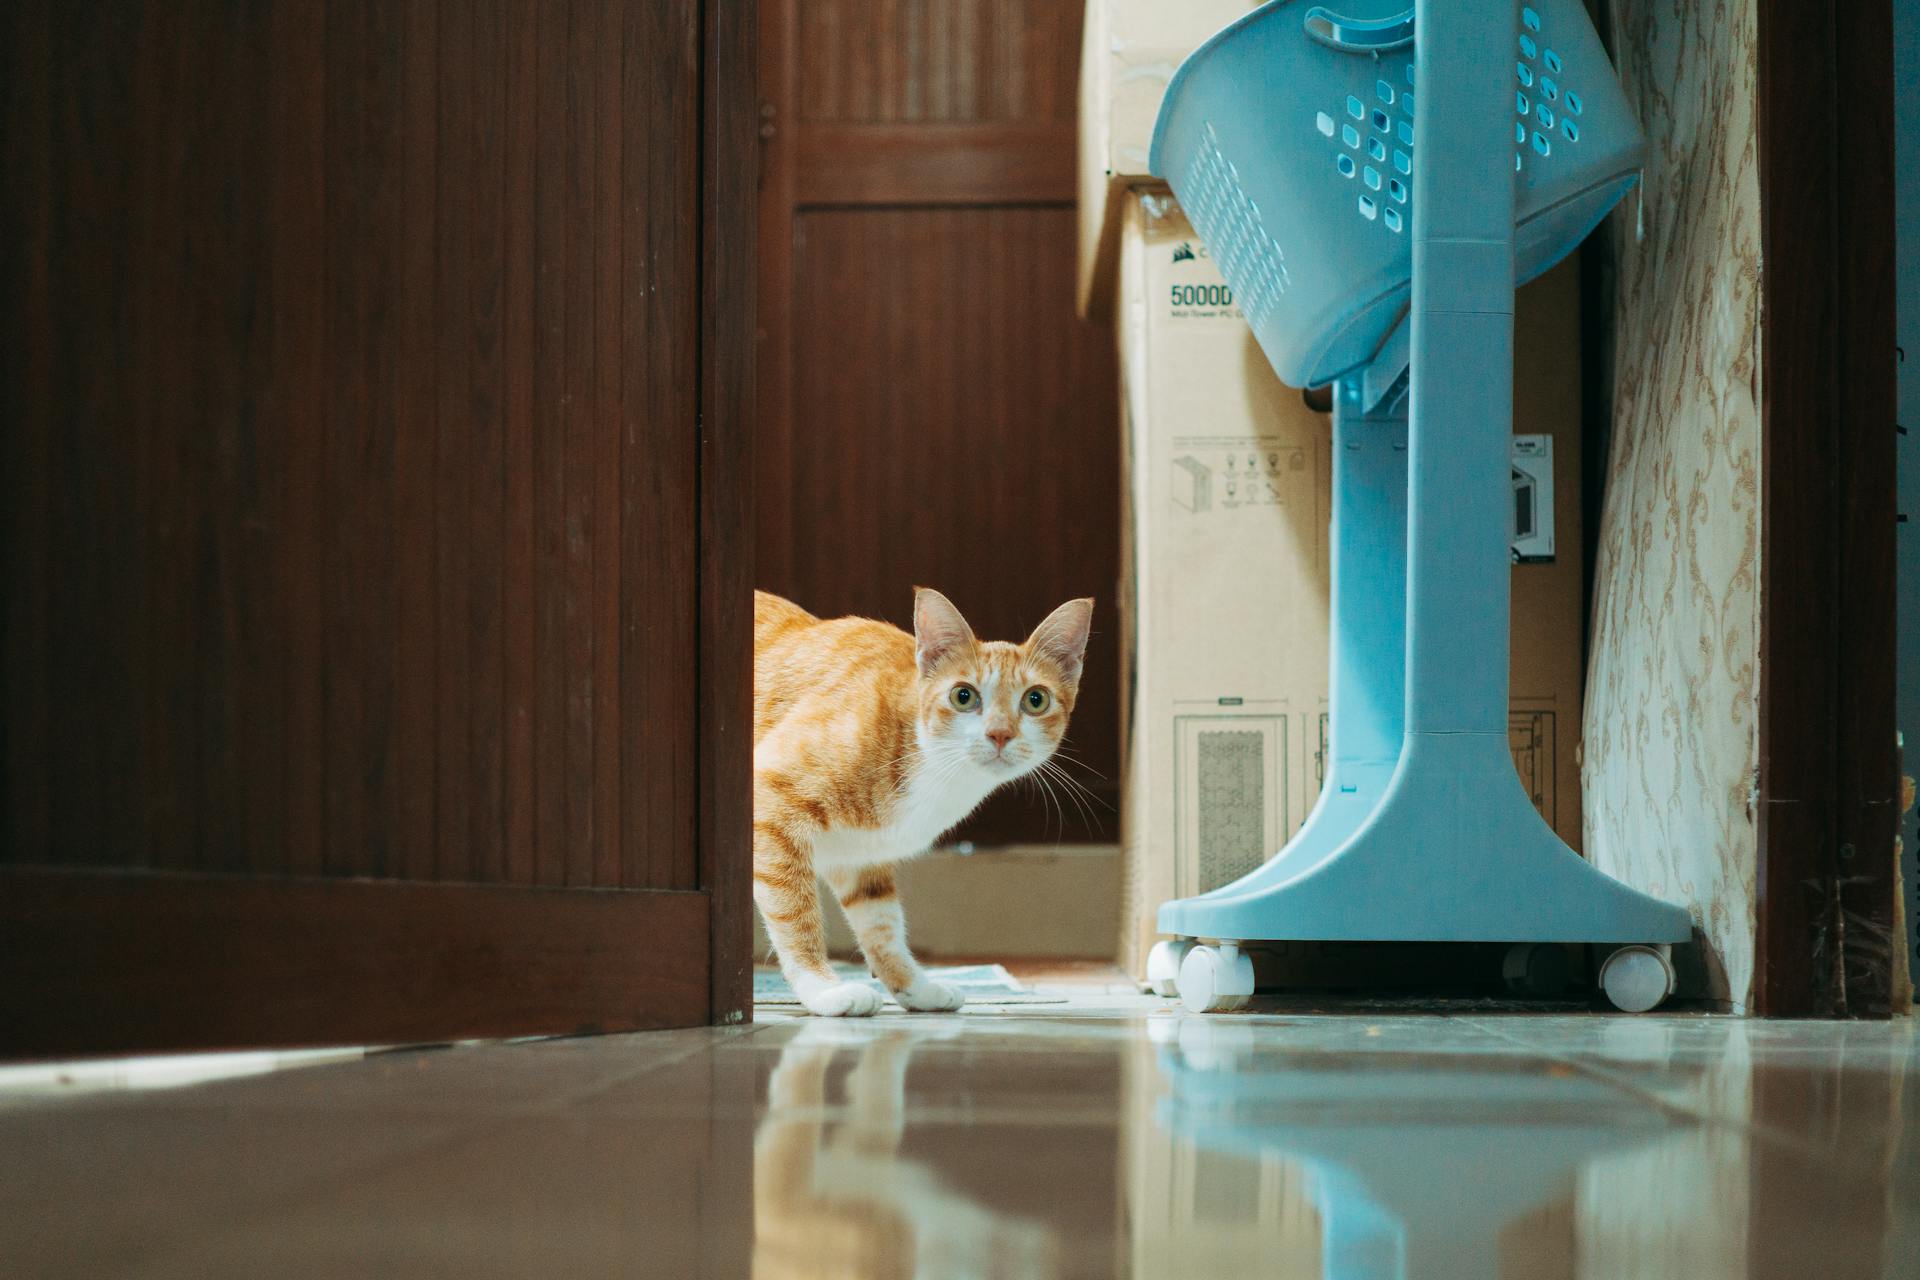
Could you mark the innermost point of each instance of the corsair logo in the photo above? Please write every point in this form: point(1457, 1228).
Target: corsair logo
point(1183, 253)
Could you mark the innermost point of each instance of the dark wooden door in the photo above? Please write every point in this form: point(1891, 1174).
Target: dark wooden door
point(931, 410)
point(374, 626)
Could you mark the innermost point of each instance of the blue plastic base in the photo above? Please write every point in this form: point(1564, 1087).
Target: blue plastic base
point(1453, 851)
point(1417, 836)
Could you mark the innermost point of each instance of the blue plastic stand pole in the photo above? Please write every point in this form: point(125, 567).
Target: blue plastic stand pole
point(1366, 698)
point(1459, 565)
point(1366, 703)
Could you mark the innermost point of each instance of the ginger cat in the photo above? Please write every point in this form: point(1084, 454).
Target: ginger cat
point(868, 744)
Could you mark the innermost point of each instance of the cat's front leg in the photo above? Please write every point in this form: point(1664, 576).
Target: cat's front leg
point(785, 890)
point(872, 904)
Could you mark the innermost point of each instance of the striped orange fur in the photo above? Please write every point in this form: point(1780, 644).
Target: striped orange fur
point(869, 744)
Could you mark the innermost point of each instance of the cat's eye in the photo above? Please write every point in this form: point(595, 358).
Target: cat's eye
point(1037, 700)
point(964, 696)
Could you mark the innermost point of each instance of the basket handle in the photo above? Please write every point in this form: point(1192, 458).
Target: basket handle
point(1359, 35)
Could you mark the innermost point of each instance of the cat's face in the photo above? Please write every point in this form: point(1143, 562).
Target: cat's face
point(996, 707)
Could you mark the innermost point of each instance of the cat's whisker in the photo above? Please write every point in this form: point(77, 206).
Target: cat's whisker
point(1082, 798)
point(1074, 791)
point(1086, 791)
point(1061, 753)
point(1060, 827)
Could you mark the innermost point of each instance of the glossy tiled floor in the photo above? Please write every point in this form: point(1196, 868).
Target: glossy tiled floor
point(1106, 1137)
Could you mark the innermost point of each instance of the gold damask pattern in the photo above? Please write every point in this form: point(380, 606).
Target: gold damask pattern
point(1671, 745)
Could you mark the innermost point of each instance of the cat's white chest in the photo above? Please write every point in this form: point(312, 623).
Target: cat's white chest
point(930, 807)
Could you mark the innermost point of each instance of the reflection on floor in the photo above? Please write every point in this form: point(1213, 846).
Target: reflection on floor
point(1111, 1136)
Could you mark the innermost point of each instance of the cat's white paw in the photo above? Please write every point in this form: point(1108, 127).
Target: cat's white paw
point(843, 1000)
point(928, 996)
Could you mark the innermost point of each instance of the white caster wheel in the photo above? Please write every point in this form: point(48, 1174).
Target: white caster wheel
point(1536, 969)
point(1637, 978)
point(1215, 979)
point(1163, 966)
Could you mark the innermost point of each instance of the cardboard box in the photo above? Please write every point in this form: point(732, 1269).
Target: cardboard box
point(1224, 578)
point(1129, 50)
point(1223, 600)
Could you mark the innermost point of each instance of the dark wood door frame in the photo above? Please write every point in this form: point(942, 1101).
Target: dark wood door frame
point(727, 406)
point(1828, 767)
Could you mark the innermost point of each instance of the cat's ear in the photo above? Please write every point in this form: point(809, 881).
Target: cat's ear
point(1063, 636)
point(939, 631)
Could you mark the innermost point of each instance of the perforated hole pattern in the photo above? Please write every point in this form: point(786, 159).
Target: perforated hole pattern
point(1230, 223)
point(1534, 129)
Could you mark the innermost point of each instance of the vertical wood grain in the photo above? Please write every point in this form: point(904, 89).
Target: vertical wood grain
point(782, 30)
point(607, 57)
point(577, 444)
point(484, 403)
point(256, 707)
point(945, 61)
point(550, 402)
point(163, 510)
point(458, 554)
point(353, 510)
point(297, 275)
point(658, 482)
point(1827, 776)
point(106, 804)
point(724, 757)
point(1867, 799)
point(421, 500)
point(521, 607)
point(26, 401)
point(362, 201)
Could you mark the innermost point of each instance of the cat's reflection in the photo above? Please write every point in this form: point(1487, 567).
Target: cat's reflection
point(833, 1197)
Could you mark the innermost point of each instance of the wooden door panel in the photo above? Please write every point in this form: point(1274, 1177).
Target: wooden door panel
point(364, 415)
point(358, 363)
point(937, 61)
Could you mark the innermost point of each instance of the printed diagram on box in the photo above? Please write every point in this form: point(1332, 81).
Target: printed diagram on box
point(1530, 738)
point(1192, 484)
point(1252, 476)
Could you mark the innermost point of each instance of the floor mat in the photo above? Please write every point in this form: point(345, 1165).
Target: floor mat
point(982, 983)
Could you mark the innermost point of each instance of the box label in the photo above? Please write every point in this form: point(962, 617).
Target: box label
point(1192, 289)
point(1533, 499)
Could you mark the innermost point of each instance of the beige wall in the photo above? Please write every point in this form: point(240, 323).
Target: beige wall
point(1670, 750)
point(1057, 902)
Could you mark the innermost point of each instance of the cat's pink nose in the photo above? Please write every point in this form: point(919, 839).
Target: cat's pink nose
point(1000, 738)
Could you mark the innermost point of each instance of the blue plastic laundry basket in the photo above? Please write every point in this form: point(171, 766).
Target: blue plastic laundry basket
point(1289, 139)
